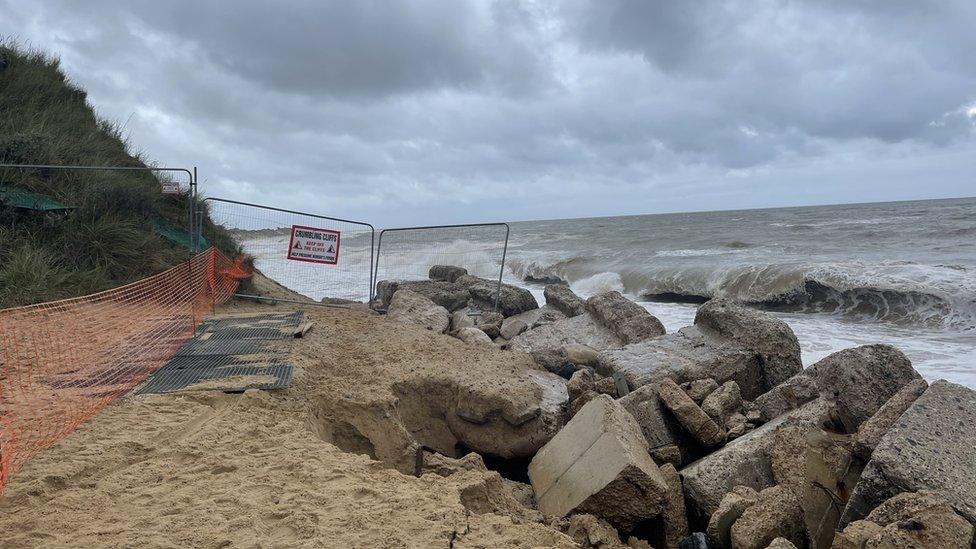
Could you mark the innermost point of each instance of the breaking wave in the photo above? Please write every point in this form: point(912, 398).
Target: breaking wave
point(897, 292)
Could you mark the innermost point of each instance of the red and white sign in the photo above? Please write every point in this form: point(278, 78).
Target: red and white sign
point(170, 187)
point(314, 245)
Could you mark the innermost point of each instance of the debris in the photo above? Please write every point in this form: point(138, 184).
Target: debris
point(562, 298)
point(776, 513)
point(598, 464)
point(729, 510)
point(870, 433)
point(412, 308)
point(690, 415)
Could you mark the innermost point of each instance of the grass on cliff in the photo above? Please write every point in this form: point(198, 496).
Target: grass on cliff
point(107, 238)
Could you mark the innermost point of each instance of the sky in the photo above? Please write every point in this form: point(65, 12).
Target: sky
point(403, 112)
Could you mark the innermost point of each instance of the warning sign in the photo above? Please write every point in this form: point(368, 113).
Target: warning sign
point(170, 187)
point(314, 245)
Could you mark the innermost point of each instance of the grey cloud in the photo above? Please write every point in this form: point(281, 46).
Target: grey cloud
point(488, 109)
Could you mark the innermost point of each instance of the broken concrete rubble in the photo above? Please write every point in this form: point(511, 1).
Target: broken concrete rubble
point(511, 301)
point(769, 337)
point(727, 343)
point(721, 403)
point(627, 320)
point(413, 308)
point(870, 433)
point(581, 355)
point(909, 519)
point(788, 395)
point(446, 273)
point(512, 327)
point(775, 514)
point(700, 388)
point(673, 520)
point(450, 296)
point(663, 433)
point(689, 414)
point(598, 464)
point(729, 510)
point(555, 337)
point(856, 382)
point(744, 461)
point(490, 323)
point(932, 446)
point(473, 336)
point(562, 298)
point(461, 319)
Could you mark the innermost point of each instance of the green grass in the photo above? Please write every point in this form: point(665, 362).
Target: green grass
point(107, 239)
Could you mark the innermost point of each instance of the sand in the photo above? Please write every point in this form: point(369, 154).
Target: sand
point(208, 469)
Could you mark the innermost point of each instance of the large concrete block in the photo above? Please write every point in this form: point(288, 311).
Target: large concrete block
point(856, 382)
point(684, 356)
point(745, 461)
point(580, 330)
point(628, 320)
point(598, 464)
point(932, 446)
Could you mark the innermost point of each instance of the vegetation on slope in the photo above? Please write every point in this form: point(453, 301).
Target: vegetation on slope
point(107, 237)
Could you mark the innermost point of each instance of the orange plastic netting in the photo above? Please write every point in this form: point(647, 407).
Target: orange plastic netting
point(63, 361)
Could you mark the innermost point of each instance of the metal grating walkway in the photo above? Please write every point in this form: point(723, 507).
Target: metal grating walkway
point(231, 354)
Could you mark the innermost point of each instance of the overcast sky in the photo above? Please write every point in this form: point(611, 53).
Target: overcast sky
point(422, 111)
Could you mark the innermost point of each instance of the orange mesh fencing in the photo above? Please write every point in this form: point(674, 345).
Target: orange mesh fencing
point(63, 361)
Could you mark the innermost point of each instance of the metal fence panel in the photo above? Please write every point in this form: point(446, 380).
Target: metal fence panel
point(408, 253)
point(293, 249)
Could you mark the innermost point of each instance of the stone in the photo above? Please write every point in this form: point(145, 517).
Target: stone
point(446, 273)
point(788, 395)
point(540, 317)
point(581, 381)
point(769, 337)
point(562, 298)
point(870, 433)
point(662, 431)
point(700, 388)
point(591, 531)
point(461, 319)
point(723, 402)
point(490, 323)
point(856, 535)
point(473, 336)
point(919, 519)
point(450, 296)
point(412, 308)
point(577, 403)
point(729, 510)
point(606, 386)
point(626, 319)
point(667, 454)
point(511, 301)
point(581, 355)
point(755, 417)
point(522, 492)
point(684, 356)
point(743, 461)
point(781, 543)
point(674, 521)
point(820, 469)
point(776, 513)
point(690, 415)
point(736, 422)
point(444, 466)
point(932, 446)
point(598, 464)
point(857, 381)
point(512, 327)
point(695, 540)
point(555, 337)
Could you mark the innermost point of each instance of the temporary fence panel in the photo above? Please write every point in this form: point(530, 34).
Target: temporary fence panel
point(408, 253)
point(326, 259)
point(63, 361)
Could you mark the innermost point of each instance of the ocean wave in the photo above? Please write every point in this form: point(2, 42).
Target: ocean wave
point(898, 292)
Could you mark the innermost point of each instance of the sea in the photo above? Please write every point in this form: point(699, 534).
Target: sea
point(902, 273)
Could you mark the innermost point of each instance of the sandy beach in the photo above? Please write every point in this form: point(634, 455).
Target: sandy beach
point(208, 469)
